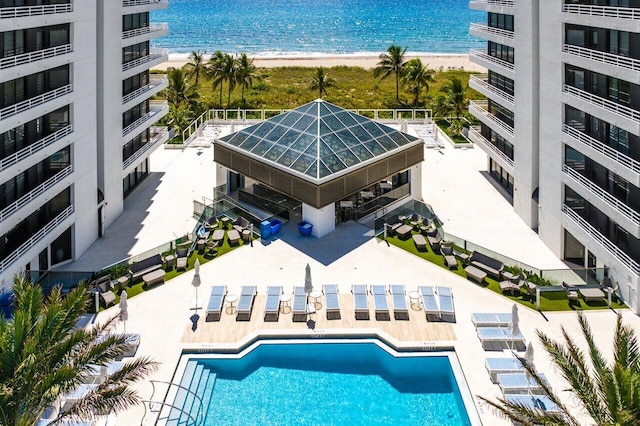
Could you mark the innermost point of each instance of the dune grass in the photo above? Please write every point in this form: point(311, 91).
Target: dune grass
point(549, 300)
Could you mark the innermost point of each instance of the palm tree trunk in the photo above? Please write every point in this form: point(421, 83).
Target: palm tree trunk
point(397, 88)
point(229, 94)
point(220, 94)
point(243, 103)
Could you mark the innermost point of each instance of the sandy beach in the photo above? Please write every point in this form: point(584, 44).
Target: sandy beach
point(435, 61)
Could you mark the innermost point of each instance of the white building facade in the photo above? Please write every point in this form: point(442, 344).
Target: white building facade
point(57, 91)
point(567, 148)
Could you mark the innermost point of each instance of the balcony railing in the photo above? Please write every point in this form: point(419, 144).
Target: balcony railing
point(26, 246)
point(608, 58)
point(25, 11)
point(35, 192)
point(482, 80)
point(35, 101)
point(27, 58)
point(161, 26)
point(499, 62)
point(130, 3)
point(603, 103)
point(603, 149)
point(479, 108)
point(35, 147)
point(157, 140)
point(485, 29)
point(506, 3)
point(602, 240)
point(152, 56)
point(603, 11)
point(155, 81)
point(612, 201)
point(155, 108)
point(477, 138)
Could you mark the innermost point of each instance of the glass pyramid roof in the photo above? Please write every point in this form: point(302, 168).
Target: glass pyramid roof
point(317, 140)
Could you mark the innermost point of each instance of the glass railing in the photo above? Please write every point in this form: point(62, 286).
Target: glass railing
point(383, 200)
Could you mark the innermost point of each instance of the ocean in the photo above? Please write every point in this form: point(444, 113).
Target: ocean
point(273, 28)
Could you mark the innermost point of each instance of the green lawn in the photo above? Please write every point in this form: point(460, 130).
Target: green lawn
point(549, 301)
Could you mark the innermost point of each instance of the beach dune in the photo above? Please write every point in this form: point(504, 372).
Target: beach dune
point(434, 61)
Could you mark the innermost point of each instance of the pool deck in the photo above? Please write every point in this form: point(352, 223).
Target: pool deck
point(347, 256)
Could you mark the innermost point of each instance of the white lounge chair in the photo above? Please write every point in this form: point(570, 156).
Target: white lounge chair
point(216, 301)
point(272, 303)
point(490, 319)
point(381, 306)
point(332, 301)
point(533, 401)
point(400, 310)
point(447, 310)
point(245, 303)
point(519, 383)
point(429, 303)
point(361, 305)
point(299, 309)
point(499, 338)
point(503, 365)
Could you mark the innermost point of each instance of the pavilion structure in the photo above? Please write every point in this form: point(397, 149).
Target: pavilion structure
point(320, 154)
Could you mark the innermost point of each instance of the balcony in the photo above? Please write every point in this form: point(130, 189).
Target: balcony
point(495, 6)
point(476, 137)
point(139, 35)
point(26, 11)
point(480, 82)
point(35, 147)
point(622, 67)
point(611, 17)
point(136, 66)
point(157, 83)
point(157, 140)
point(157, 110)
point(27, 58)
point(584, 226)
point(137, 6)
point(614, 113)
point(479, 110)
point(612, 159)
point(497, 35)
point(34, 193)
point(36, 238)
point(621, 213)
point(35, 101)
point(494, 64)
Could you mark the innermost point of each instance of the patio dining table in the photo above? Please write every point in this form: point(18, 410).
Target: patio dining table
point(218, 235)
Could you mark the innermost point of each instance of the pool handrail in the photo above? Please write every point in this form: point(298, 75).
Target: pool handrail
point(171, 406)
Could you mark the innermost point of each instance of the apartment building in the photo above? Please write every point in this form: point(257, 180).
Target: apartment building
point(61, 82)
point(561, 127)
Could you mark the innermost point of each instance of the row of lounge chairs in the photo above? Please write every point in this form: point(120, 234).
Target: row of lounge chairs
point(494, 333)
point(440, 308)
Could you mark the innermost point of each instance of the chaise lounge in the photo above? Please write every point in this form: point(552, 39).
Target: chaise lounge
point(447, 310)
point(245, 303)
point(400, 310)
point(360, 303)
point(381, 307)
point(332, 301)
point(519, 383)
point(503, 365)
point(429, 303)
point(272, 303)
point(216, 300)
point(299, 309)
point(500, 338)
point(491, 319)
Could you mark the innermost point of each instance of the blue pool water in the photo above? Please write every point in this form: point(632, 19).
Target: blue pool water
point(330, 384)
point(277, 27)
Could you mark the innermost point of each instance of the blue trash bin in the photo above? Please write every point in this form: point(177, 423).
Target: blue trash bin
point(265, 229)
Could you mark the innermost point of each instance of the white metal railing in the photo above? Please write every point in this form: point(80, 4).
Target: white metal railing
point(608, 58)
point(477, 138)
point(610, 106)
point(602, 148)
point(35, 192)
point(482, 81)
point(496, 61)
point(24, 11)
point(152, 56)
point(155, 27)
point(158, 139)
point(602, 240)
point(613, 202)
point(486, 29)
point(604, 11)
point(506, 3)
point(155, 107)
point(130, 3)
point(480, 109)
point(26, 58)
point(26, 246)
point(155, 81)
point(35, 147)
point(35, 101)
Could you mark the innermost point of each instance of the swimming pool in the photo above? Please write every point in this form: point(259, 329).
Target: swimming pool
point(322, 382)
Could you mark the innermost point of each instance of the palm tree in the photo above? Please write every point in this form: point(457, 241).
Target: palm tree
point(226, 70)
point(455, 97)
point(179, 91)
point(215, 71)
point(44, 356)
point(391, 62)
point(608, 391)
point(416, 76)
point(321, 81)
point(196, 65)
point(245, 73)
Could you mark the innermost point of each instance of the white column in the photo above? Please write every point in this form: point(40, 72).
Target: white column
point(415, 175)
point(322, 219)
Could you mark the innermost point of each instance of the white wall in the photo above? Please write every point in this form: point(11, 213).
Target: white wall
point(415, 176)
point(323, 219)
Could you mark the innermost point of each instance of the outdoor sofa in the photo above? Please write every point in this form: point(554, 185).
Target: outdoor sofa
point(488, 264)
point(145, 266)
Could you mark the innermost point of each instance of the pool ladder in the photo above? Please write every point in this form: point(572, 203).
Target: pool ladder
point(160, 406)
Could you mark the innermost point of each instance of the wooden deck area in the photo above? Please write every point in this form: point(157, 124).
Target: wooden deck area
point(229, 331)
